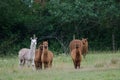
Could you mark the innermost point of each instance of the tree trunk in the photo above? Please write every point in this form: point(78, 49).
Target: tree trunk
point(73, 36)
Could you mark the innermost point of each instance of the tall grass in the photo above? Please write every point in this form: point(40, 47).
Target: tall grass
point(96, 66)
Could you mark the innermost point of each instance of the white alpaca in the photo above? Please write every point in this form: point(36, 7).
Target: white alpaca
point(27, 55)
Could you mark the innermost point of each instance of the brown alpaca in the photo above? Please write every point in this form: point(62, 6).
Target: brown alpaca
point(76, 56)
point(47, 56)
point(73, 43)
point(85, 47)
point(37, 60)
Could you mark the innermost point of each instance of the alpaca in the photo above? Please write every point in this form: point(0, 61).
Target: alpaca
point(73, 43)
point(85, 47)
point(27, 55)
point(47, 56)
point(37, 60)
point(76, 56)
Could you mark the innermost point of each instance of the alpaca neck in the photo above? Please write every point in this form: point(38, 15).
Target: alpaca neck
point(40, 53)
point(32, 51)
point(45, 52)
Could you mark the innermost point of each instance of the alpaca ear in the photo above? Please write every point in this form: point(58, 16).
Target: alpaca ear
point(82, 38)
point(30, 38)
point(86, 39)
point(47, 41)
point(36, 38)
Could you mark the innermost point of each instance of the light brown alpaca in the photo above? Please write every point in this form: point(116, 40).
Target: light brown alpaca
point(76, 55)
point(47, 56)
point(73, 43)
point(37, 60)
point(76, 48)
point(85, 46)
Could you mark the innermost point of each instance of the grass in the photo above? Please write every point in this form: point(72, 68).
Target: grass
point(96, 66)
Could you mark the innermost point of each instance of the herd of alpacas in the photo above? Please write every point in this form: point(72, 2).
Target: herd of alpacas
point(42, 57)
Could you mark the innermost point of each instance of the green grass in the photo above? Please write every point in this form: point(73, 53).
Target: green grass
point(96, 66)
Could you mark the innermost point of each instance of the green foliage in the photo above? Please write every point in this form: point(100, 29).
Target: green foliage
point(96, 20)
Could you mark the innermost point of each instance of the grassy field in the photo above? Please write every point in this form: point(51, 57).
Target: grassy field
point(96, 66)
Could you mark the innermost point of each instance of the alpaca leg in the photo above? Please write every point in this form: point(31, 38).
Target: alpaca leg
point(78, 64)
point(75, 65)
point(33, 65)
point(45, 65)
point(28, 63)
point(20, 63)
point(32, 62)
point(40, 65)
point(36, 65)
point(50, 64)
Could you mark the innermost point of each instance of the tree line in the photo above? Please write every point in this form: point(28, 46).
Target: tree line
point(57, 21)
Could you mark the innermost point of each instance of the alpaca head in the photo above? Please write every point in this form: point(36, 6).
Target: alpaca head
point(45, 44)
point(41, 47)
point(33, 41)
point(84, 41)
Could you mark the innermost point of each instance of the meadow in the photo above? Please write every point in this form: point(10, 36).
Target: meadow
point(96, 66)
